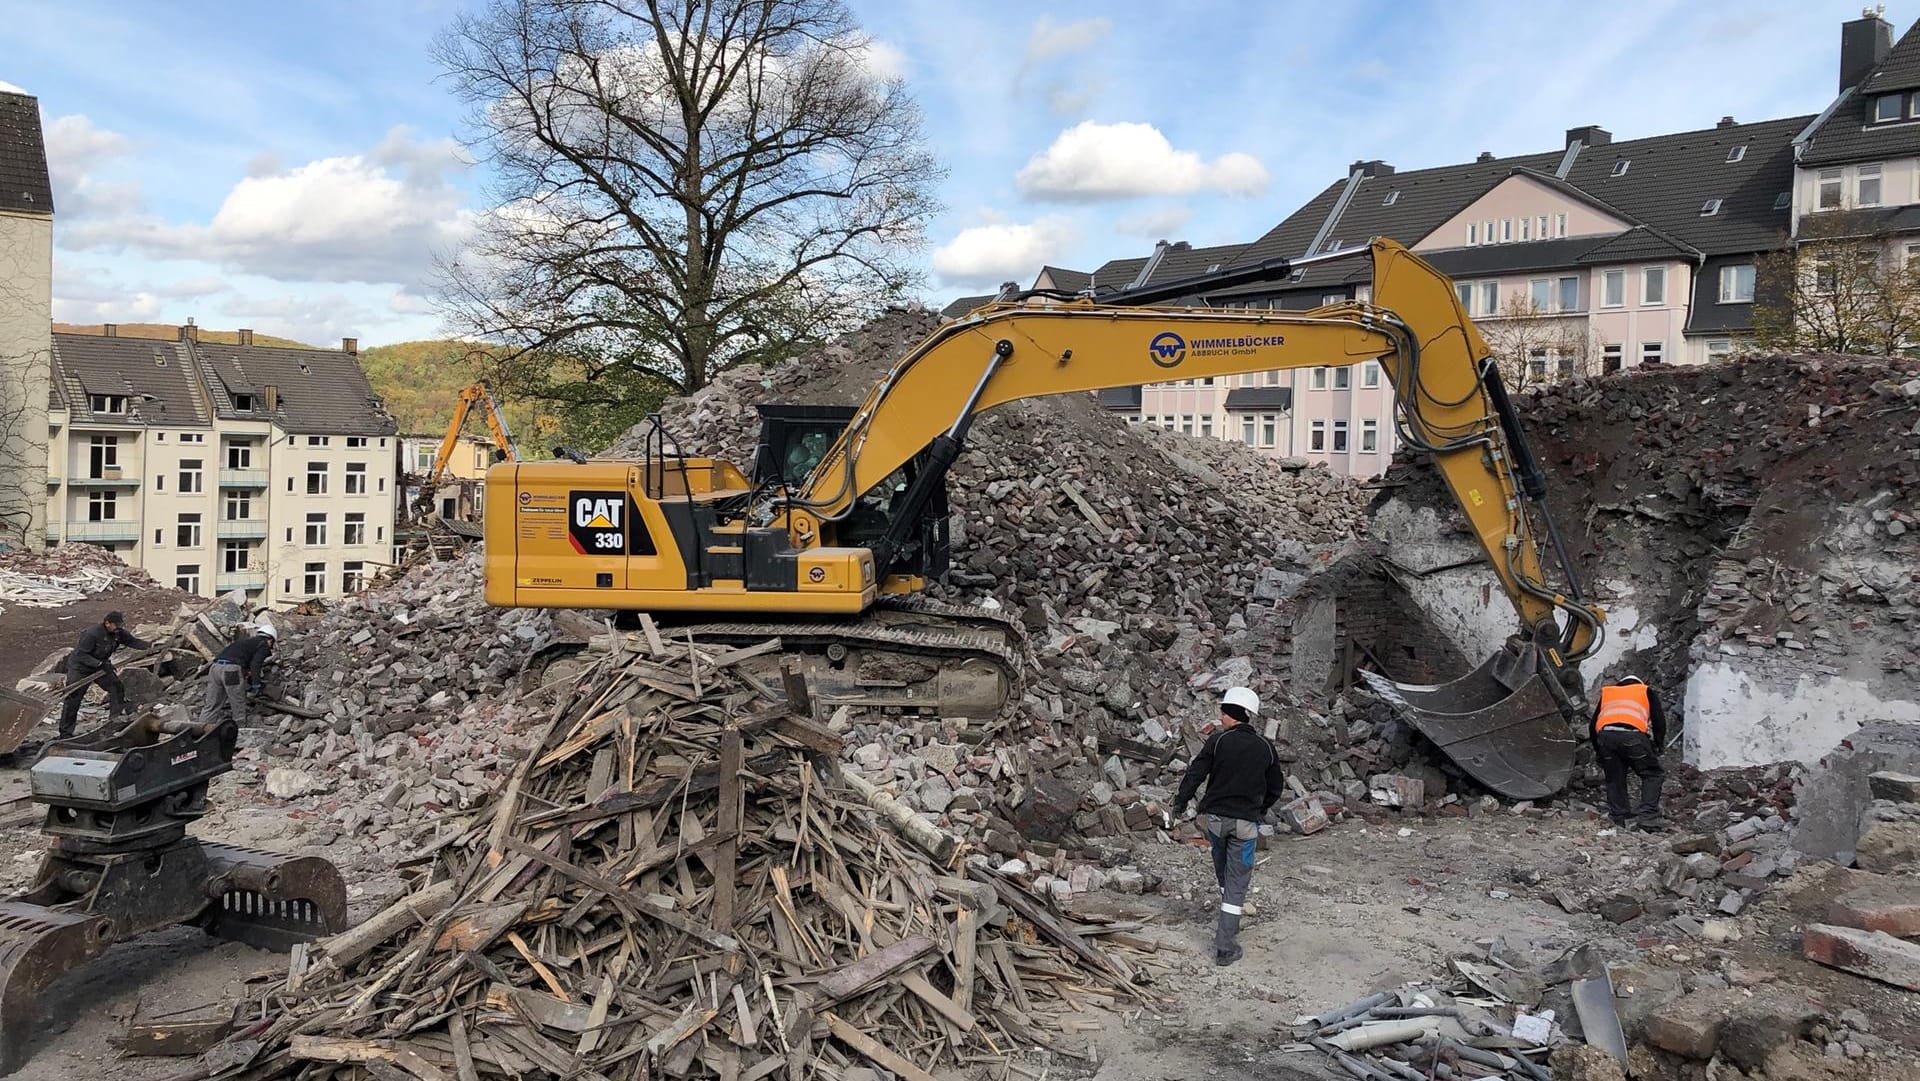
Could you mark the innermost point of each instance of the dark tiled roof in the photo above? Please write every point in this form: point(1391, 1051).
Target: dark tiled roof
point(1116, 273)
point(1900, 70)
point(1512, 258)
point(156, 377)
point(1254, 399)
point(1849, 134)
point(23, 156)
point(1707, 315)
point(1119, 399)
point(321, 390)
point(963, 305)
point(1070, 281)
point(1639, 244)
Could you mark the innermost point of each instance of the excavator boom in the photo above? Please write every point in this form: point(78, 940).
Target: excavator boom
point(698, 535)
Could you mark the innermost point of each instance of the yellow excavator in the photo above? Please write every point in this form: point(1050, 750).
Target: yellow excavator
point(504, 450)
point(840, 524)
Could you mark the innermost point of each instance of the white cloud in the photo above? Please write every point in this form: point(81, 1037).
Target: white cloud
point(1050, 39)
point(1092, 160)
point(1002, 251)
point(1156, 223)
point(380, 216)
point(205, 285)
point(75, 148)
point(883, 60)
point(317, 318)
point(1069, 101)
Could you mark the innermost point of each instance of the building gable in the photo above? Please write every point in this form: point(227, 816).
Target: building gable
point(1522, 208)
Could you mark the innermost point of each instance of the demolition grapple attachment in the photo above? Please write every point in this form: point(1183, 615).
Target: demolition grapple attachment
point(121, 863)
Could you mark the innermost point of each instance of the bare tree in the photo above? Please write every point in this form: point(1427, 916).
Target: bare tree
point(1533, 346)
point(1846, 286)
point(683, 185)
point(23, 401)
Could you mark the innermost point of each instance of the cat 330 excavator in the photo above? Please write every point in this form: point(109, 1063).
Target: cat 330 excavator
point(840, 524)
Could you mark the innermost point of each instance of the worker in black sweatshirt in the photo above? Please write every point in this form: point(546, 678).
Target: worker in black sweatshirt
point(1243, 777)
point(93, 657)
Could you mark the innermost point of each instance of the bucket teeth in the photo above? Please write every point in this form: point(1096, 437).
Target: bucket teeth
point(1499, 723)
point(36, 946)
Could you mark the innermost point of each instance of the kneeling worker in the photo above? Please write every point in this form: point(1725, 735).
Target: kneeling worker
point(1629, 731)
point(1243, 777)
point(238, 669)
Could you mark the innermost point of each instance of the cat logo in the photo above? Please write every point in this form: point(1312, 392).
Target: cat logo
point(594, 524)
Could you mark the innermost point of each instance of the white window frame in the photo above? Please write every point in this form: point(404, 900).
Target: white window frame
point(103, 506)
point(193, 476)
point(1560, 225)
point(313, 578)
point(1369, 437)
point(1317, 437)
point(1206, 425)
point(356, 482)
point(1730, 282)
point(1343, 377)
point(1542, 221)
point(1526, 229)
point(1269, 429)
point(1319, 381)
point(356, 441)
point(1340, 440)
point(316, 534)
point(186, 577)
point(235, 556)
point(237, 499)
point(1653, 352)
point(1718, 348)
point(1249, 429)
point(317, 440)
point(354, 529)
point(240, 455)
point(1489, 294)
point(1370, 374)
point(1506, 230)
point(1834, 179)
point(1620, 167)
point(1863, 173)
point(1560, 302)
point(1736, 153)
point(1614, 352)
point(1880, 108)
point(188, 530)
point(192, 437)
point(1540, 294)
point(353, 574)
point(1647, 277)
point(1613, 289)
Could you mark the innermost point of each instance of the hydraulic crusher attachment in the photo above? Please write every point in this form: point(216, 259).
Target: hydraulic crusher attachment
point(121, 863)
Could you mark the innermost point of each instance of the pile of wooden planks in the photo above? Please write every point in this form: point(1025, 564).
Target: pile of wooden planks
point(679, 882)
point(24, 590)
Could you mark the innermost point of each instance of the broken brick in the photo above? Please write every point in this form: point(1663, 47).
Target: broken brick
point(1873, 954)
point(1891, 905)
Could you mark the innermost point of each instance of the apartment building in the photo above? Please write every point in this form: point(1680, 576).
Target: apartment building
point(218, 467)
point(26, 311)
point(461, 494)
point(1861, 156)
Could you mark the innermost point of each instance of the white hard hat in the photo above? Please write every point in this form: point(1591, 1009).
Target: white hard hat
point(1242, 697)
point(267, 629)
point(1632, 679)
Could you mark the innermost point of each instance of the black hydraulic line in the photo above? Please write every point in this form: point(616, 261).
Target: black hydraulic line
point(941, 454)
point(1526, 468)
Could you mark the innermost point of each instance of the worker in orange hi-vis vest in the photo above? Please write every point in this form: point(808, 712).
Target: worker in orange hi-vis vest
point(1629, 730)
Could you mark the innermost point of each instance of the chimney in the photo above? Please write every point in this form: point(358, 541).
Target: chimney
point(273, 397)
point(1725, 122)
point(1181, 245)
point(350, 346)
point(245, 336)
point(1864, 42)
point(110, 330)
point(1591, 135)
point(1375, 167)
point(189, 333)
point(1485, 155)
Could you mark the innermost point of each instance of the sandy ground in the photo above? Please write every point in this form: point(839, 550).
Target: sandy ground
point(1337, 915)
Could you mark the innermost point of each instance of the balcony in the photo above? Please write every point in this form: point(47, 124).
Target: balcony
point(240, 580)
point(115, 479)
point(242, 529)
point(243, 478)
point(99, 531)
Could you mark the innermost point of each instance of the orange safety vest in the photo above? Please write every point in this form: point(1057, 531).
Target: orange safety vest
point(1626, 704)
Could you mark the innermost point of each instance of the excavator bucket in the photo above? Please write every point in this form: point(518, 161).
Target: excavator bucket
point(37, 945)
point(1500, 723)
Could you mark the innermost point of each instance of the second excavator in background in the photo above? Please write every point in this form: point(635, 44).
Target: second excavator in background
point(831, 535)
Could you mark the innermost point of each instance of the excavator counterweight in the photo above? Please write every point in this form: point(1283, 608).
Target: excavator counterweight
point(857, 518)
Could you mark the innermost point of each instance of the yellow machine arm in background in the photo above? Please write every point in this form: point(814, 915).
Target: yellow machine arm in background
point(496, 426)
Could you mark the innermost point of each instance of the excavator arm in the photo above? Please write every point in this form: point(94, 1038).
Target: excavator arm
point(1449, 403)
point(477, 394)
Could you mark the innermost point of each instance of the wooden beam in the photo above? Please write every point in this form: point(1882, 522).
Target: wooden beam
point(732, 758)
point(873, 1049)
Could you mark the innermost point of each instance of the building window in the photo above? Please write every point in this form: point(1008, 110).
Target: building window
point(1709, 208)
point(1343, 377)
point(1506, 230)
point(356, 478)
point(1169, 422)
point(158, 537)
point(1540, 294)
point(1620, 167)
point(1369, 436)
point(316, 441)
point(1783, 200)
point(1736, 153)
point(356, 441)
point(1340, 436)
point(193, 437)
point(1719, 348)
point(1912, 253)
point(353, 576)
point(1392, 198)
point(102, 505)
point(1486, 230)
point(235, 556)
point(107, 403)
point(1830, 181)
point(1653, 286)
point(314, 581)
point(480, 455)
point(1473, 232)
point(1186, 424)
point(243, 403)
point(316, 478)
point(1537, 365)
point(103, 453)
point(1887, 107)
point(1613, 289)
point(186, 577)
point(1526, 229)
point(1560, 222)
point(1736, 284)
point(239, 455)
point(1542, 221)
point(1206, 425)
point(423, 456)
point(1317, 437)
point(1866, 189)
point(1489, 298)
point(192, 476)
point(379, 533)
point(187, 533)
point(316, 530)
point(1826, 273)
point(159, 482)
point(239, 506)
point(1247, 430)
point(1269, 429)
point(1319, 379)
point(1569, 298)
point(1610, 357)
point(1370, 374)
point(1464, 290)
point(1652, 352)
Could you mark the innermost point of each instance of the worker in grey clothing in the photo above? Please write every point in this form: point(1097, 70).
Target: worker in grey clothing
point(1243, 777)
point(238, 669)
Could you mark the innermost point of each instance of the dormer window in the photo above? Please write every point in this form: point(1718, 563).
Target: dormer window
point(1392, 198)
point(1736, 153)
point(107, 403)
point(1888, 107)
point(243, 403)
point(1783, 200)
point(1620, 167)
point(1710, 208)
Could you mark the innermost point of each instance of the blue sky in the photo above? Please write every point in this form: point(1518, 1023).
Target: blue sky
point(294, 168)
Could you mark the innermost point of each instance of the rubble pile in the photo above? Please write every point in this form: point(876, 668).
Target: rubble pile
point(396, 703)
point(1146, 568)
point(677, 881)
point(53, 578)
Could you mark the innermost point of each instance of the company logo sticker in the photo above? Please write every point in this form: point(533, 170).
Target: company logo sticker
point(1167, 349)
point(595, 522)
point(816, 574)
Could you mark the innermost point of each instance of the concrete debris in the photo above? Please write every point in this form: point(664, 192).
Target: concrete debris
point(1873, 954)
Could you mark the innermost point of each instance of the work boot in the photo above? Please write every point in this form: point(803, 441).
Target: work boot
point(1225, 930)
point(1648, 825)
